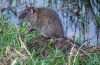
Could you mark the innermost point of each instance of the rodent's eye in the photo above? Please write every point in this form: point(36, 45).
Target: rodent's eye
point(24, 14)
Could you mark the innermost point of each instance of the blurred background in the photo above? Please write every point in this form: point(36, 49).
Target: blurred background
point(80, 18)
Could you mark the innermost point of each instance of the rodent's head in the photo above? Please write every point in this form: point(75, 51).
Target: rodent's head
point(25, 13)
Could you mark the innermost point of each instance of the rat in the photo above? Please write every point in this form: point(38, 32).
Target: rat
point(45, 20)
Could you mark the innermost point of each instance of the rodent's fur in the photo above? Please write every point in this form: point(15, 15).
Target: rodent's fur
point(46, 21)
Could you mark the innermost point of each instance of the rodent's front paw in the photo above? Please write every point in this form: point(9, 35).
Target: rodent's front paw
point(27, 31)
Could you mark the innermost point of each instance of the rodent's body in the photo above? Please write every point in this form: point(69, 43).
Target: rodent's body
point(45, 20)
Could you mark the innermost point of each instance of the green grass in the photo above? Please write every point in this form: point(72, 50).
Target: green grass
point(14, 50)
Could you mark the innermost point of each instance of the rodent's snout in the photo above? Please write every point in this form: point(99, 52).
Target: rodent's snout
point(20, 17)
point(23, 15)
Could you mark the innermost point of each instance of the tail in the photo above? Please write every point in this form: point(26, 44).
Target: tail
point(71, 40)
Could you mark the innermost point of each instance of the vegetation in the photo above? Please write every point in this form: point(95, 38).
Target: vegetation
point(14, 49)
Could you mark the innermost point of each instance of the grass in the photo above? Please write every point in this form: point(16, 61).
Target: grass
point(14, 50)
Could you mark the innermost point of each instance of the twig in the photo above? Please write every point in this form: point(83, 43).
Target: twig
point(23, 45)
point(78, 52)
point(70, 55)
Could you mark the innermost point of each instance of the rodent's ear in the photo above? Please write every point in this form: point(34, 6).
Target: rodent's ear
point(32, 9)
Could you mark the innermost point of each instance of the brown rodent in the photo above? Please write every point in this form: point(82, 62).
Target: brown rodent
point(45, 20)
